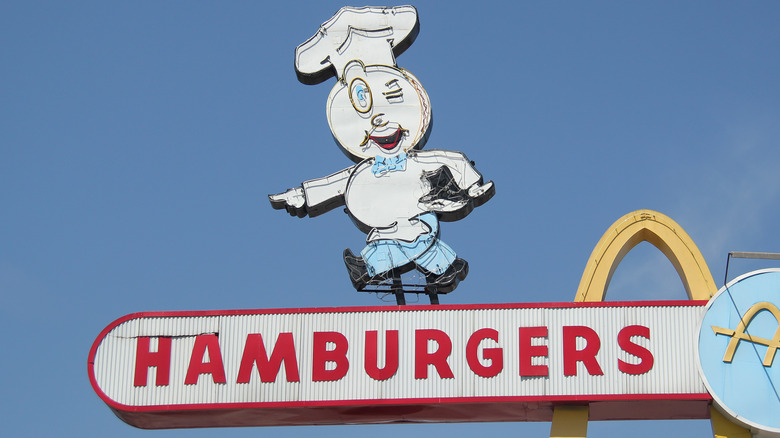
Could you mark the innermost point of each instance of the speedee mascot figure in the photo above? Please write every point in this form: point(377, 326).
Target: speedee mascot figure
point(380, 116)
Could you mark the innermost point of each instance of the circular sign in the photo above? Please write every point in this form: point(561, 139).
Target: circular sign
point(738, 342)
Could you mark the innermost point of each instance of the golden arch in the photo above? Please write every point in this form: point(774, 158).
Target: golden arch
point(663, 233)
point(626, 233)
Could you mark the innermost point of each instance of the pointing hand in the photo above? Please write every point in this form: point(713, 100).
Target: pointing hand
point(293, 200)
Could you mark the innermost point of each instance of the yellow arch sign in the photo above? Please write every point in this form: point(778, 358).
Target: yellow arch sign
point(621, 237)
point(663, 233)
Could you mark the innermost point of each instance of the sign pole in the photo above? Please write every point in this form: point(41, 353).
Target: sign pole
point(570, 422)
point(398, 289)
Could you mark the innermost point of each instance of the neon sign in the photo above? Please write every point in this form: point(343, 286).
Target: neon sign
point(380, 116)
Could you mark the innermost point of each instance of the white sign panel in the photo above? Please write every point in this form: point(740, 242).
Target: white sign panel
point(425, 363)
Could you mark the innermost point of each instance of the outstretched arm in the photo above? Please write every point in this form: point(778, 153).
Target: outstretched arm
point(314, 197)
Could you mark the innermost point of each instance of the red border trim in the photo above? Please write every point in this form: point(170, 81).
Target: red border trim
point(415, 401)
point(412, 308)
point(137, 415)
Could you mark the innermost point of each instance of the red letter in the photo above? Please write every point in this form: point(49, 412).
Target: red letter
point(645, 356)
point(528, 351)
point(213, 366)
point(587, 355)
point(438, 358)
point(321, 355)
point(391, 355)
point(145, 359)
point(254, 352)
point(494, 355)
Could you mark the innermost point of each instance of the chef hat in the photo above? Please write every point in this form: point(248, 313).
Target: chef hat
point(373, 35)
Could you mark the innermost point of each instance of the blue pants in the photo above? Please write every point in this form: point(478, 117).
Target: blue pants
point(427, 251)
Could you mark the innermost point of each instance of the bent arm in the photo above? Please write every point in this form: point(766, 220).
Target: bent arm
point(456, 187)
point(463, 171)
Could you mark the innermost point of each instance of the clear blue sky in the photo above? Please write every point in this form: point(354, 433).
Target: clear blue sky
point(138, 141)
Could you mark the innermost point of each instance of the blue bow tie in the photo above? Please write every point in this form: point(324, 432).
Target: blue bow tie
point(383, 165)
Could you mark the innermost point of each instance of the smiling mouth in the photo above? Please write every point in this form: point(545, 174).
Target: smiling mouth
point(388, 142)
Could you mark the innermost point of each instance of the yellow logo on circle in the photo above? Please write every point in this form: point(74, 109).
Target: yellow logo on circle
point(740, 335)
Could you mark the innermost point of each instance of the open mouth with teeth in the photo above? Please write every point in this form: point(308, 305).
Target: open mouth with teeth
point(388, 142)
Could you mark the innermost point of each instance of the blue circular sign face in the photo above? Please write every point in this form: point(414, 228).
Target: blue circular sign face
point(738, 342)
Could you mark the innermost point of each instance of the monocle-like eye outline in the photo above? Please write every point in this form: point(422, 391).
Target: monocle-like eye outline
point(360, 95)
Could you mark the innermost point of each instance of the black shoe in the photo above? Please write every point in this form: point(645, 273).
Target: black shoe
point(449, 279)
point(357, 270)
